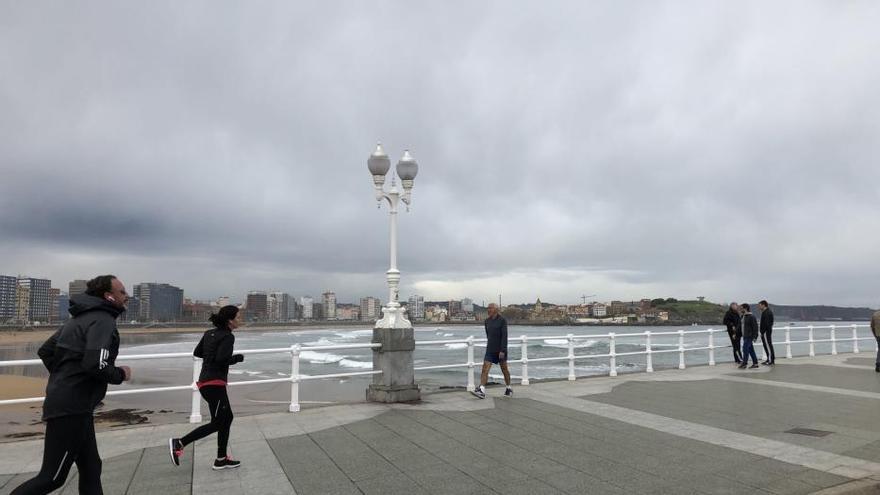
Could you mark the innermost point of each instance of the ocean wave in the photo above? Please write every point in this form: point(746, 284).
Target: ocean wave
point(351, 363)
point(456, 345)
point(315, 357)
point(563, 343)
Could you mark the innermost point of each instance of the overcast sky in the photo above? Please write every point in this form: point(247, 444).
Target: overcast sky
point(623, 149)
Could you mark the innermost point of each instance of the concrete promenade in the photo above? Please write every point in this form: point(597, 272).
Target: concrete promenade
point(704, 430)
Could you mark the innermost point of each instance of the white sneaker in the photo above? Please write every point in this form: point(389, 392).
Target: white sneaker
point(479, 393)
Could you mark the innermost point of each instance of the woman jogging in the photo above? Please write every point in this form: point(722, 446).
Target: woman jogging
point(215, 349)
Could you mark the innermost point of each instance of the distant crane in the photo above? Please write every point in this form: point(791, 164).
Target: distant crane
point(585, 298)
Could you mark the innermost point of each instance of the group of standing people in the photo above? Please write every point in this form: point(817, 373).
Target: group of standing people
point(744, 329)
point(81, 360)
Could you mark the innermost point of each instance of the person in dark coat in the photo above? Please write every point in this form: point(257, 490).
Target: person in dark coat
point(496, 351)
point(215, 349)
point(767, 332)
point(875, 329)
point(81, 359)
point(732, 322)
point(749, 336)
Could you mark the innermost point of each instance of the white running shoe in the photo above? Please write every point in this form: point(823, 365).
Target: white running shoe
point(479, 393)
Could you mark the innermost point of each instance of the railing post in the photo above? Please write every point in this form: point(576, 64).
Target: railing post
point(649, 361)
point(294, 378)
point(711, 347)
point(812, 343)
point(833, 341)
point(470, 358)
point(571, 376)
point(855, 339)
point(788, 342)
point(525, 360)
point(613, 354)
point(681, 365)
point(196, 414)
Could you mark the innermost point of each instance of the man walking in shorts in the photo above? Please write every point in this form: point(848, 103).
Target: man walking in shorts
point(496, 351)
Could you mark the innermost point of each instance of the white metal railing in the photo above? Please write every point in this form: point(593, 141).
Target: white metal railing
point(571, 357)
point(649, 352)
point(196, 415)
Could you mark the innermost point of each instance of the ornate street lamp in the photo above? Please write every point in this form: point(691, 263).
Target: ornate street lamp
point(393, 315)
point(394, 357)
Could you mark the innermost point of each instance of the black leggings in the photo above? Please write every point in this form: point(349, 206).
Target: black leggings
point(221, 419)
point(69, 439)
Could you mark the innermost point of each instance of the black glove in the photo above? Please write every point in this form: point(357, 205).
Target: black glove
point(237, 358)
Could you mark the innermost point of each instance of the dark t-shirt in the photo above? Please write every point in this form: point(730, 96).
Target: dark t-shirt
point(496, 334)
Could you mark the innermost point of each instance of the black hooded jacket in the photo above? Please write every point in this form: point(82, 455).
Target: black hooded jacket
point(81, 358)
point(215, 349)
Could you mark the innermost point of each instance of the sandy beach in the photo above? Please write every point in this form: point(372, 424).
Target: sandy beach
point(39, 336)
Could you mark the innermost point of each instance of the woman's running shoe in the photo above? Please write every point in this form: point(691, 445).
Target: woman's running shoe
point(175, 449)
point(225, 463)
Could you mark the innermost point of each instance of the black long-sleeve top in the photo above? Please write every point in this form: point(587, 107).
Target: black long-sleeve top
point(215, 349)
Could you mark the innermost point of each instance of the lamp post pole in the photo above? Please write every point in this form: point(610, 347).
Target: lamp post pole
point(394, 331)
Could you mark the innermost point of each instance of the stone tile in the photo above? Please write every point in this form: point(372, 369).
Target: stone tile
point(308, 468)
point(390, 484)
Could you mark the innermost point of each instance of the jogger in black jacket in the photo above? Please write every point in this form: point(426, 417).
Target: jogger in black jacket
point(81, 359)
point(215, 349)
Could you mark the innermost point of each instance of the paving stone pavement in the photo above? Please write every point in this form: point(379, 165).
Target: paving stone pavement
point(704, 430)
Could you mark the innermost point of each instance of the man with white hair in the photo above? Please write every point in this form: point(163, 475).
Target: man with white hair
point(496, 351)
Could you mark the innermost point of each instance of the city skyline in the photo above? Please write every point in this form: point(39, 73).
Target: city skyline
point(669, 148)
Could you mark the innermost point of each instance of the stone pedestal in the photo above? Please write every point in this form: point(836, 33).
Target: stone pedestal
point(395, 359)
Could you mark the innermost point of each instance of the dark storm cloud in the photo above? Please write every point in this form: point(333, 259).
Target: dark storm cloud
point(640, 149)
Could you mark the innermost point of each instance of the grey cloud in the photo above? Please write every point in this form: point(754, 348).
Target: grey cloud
point(669, 146)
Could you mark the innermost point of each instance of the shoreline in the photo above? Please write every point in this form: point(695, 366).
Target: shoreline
point(19, 336)
point(32, 335)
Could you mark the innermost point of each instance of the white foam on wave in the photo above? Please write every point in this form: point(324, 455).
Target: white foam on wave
point(456, 345)
point(351, 363)
point(315, 357)
point(563, 343)
point(322, 341)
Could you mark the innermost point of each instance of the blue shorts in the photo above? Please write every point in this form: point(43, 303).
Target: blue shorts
point(493, 358)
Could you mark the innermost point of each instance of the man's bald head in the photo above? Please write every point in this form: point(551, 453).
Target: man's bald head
point(492, 309)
